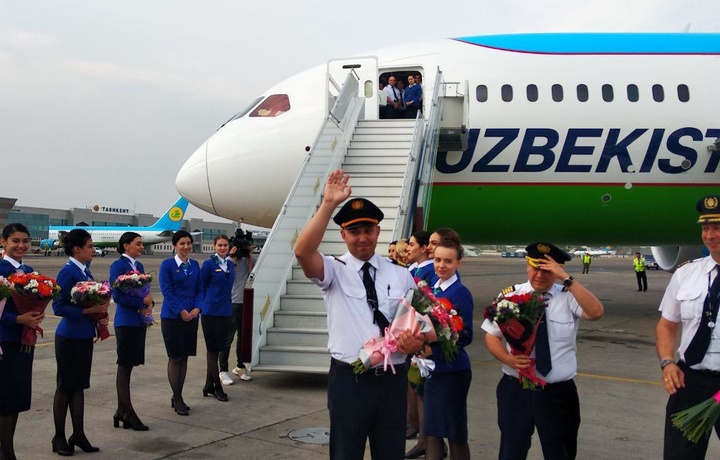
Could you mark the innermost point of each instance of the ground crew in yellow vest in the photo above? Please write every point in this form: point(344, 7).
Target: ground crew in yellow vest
point(639, 263)
point(587, 258)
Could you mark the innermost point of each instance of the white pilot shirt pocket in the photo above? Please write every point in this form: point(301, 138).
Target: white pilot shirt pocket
point(561, 327)
point(691, 303)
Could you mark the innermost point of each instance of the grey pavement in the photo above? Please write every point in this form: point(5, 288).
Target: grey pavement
point(622, 403)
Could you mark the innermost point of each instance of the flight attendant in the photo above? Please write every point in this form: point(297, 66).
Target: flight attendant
point(218, 275)
point(16, 365)
point(416, 255)
point(182, 290)
point(445, 393)
point(130, 329)
point(73, 345)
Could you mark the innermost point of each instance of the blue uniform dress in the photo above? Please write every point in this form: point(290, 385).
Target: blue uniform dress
point(425, 271)
point(182, 289)
point(74, 335)
point(16, 365)
point(447, 388)
point(130, 330)
point(218, 277)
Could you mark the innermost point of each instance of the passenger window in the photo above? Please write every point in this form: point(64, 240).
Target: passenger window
point(683, 93)
point(273, 106)
point(557, 93)
point(658, 93)
point(607, 93)
point(506, 93)
point(582, 93)
point(633, 94)
point(481, 93)
point(532, 93)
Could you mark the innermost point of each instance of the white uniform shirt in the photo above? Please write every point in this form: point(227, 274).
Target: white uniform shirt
point(131, 260)
point(563, 319)
point(392, 93)
point(684, 300)
point(349, 317)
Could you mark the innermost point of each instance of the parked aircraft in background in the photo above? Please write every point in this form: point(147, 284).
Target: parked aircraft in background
point(594, 252)
point(604, 137)
point(160, 231)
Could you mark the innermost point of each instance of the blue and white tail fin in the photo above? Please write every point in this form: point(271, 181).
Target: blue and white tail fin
point(173, 217)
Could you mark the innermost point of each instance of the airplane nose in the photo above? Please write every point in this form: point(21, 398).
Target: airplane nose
point(192, 180)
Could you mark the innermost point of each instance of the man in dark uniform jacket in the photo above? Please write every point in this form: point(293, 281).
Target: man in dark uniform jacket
point(362, 292)
point(691, 298)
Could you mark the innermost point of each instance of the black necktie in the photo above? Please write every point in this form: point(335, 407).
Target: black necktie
point(372, 299)
point(395, 93)
point(698, 346)
point(543, 362)
point(88, 276)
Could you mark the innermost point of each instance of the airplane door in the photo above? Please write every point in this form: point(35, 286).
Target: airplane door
point(366, 68)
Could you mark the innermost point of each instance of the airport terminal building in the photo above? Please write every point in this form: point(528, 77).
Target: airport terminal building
point(39, 220)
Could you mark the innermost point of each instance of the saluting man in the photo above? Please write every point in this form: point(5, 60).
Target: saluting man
point(554, 409)
point(362, 292)
point(692, 298)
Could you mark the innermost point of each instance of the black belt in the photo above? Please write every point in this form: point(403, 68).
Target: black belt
point(374, 371)
point(539, 388)
point(708, 372)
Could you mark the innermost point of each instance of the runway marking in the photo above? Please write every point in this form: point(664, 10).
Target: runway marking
point(589, 376)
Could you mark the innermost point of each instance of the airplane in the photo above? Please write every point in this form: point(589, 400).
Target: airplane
point(162, 230)
point(571, 136)
point(594, 252)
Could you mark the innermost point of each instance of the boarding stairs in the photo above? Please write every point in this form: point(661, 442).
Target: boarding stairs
point(387, 164)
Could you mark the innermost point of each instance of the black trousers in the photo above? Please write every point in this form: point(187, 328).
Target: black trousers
point(555, 411)
point(642, 280)
point(235, 327)
point(699, 386)
point(365, 406)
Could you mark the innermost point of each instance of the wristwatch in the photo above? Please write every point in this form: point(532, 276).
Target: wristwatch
point(665, 362)
point(567, 283)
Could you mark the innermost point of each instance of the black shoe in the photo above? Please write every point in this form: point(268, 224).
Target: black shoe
point(415, 452)
point(180, 408)
point(83, 444)
point(117, 418)
point(135, 424)
point(60, 447)
point(218, 393)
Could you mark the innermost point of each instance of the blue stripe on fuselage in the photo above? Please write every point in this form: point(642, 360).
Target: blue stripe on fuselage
point(575, 43)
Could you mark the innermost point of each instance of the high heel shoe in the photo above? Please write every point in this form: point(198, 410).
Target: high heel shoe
point(60, 447)
point(180, 408)
point(218, 393)
point(83, 444)
point(117, 418)
point(134, 423)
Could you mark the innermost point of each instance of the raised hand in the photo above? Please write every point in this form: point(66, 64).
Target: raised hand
point(337, 189)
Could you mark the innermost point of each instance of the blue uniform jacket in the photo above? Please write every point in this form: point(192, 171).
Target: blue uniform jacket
point(10, 331)
point(180, 290)
point(426, 273)
point(462, 301)
point(218, 284)
point(128, 306)
point(413, 93)
point(73, 325)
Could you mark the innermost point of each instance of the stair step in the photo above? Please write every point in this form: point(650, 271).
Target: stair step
point(401, 153)
point(301, 319)
point(297, 337)
point(398, 168)
point(302, 287)
point(294, 369)
point(302, 303)
point(389, 144)
point(274, 355)
point(388, 136)
point(385, 130)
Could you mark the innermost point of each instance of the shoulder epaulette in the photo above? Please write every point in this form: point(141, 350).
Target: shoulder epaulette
point(688, 262)
point(508, 290)
point(339, 260)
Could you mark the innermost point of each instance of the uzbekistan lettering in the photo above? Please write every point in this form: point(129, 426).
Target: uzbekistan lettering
point(581, 152)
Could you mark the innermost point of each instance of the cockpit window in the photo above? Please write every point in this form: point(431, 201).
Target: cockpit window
point(243, 112)
point(273, 106)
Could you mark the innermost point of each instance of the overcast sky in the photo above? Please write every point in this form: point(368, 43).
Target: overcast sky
point(102, 102)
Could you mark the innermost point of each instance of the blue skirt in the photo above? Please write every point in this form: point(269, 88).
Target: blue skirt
point(445, 398)
point(15, 378)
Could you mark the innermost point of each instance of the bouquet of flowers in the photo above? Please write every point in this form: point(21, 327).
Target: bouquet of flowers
point(446, 321)
point(86, 294)
point(699, 420)
point(6, 289)
point(518, 317)
point(380, 349)
point(136, 284)
point(33, 292)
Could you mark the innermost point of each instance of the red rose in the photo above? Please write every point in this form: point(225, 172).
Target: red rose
point(456, 323)
point(447, 305)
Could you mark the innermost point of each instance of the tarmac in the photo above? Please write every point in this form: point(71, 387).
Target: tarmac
point(622, 401)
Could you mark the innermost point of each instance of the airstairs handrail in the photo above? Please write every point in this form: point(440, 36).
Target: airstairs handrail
point(415, 189)
point(274, 265)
